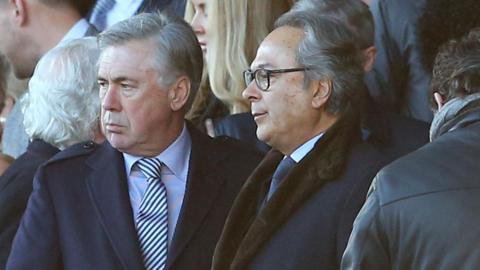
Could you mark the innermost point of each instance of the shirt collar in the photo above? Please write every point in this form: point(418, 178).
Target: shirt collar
point(305, 148)
point(175, 157)
point(78, 30)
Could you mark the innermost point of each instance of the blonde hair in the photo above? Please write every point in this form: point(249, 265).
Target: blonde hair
point(239, 27)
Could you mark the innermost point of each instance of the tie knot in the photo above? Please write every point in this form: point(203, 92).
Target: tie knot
point(283, 168)
point(150, 167)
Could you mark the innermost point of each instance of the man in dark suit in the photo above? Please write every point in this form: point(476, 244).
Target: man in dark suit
point(297, 208)
point(156, 194)
point(29, 29)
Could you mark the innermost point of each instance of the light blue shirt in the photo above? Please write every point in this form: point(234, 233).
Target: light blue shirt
point(78, 30)
point(305, 148)
point(173, 175)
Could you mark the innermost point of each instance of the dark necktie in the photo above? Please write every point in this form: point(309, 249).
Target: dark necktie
point(152, 219)
point(99, 13)
point(282, 169)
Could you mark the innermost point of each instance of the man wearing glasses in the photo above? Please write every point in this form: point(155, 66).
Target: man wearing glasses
point(297, 209)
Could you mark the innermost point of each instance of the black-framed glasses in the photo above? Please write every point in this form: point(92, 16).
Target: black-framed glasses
point(262, 76)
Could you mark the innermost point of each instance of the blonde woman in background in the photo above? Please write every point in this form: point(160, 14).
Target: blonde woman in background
point(229, 32)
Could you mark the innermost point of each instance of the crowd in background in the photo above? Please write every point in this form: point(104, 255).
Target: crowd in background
point(239, 134)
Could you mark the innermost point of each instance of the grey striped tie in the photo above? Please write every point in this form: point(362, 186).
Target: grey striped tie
point(99, 13)
point(152, 219)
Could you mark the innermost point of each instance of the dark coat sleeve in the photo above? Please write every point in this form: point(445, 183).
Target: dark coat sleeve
point(366, 247)
point(36, 243)
point(13, 200)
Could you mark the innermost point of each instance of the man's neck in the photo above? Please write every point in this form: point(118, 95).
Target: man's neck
point(51, 26)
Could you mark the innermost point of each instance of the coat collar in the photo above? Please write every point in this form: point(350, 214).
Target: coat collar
point(245, 231)
point(42, 149)
point(108, 190)
point(204, 183)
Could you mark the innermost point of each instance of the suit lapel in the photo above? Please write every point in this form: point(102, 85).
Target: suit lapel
point(244, 211)
point(108, 189)
point(203, 186)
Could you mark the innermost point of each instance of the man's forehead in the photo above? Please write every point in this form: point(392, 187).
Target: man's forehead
point(279, 48)
point(127, 55)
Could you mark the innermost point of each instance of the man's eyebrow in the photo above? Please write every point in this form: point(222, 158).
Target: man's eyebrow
point(117, 79)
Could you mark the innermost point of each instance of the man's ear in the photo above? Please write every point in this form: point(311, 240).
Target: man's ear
point(369, 55)
point(321, 92)
point(19, 9)
point(439, 99)
point(178, 93)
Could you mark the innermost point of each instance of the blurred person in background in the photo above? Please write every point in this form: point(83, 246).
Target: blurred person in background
point(407, 37)
point(393, 134)
point(229, 32)
point(4, 71)
point(5, 107)
point(32, 28)
point(61, 108)
point(106, 13)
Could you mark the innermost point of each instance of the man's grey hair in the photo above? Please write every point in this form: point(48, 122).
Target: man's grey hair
point(329, 53)
point(62, 105)
point(354, 13)
point(178, 51)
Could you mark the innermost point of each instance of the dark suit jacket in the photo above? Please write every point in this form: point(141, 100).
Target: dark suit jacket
point(399, 79)
point(15, 188)
point(307, 221)
point(176, 7)
point(395, 135)
point(241, 126)
point(79, 215)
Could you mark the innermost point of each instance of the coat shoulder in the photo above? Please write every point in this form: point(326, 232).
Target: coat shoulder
point(237, 147)
point(74, 151)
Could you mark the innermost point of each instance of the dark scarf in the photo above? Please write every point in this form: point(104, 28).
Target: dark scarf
point(456, 113)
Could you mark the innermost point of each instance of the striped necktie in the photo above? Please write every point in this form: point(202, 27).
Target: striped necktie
point(152, 219)
point(99, 13)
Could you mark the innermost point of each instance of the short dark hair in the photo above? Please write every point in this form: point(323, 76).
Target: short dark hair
point(456, 70)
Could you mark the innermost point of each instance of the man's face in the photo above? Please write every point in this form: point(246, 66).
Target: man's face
point(284, 113)
point(137, 117)
point(18, 48)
